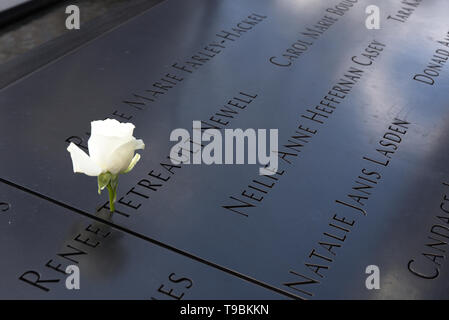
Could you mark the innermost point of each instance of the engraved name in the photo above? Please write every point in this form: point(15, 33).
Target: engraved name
point(314, 117)
point(133, 199)
point(311, 34)
point(402, 15)
point(429, 263)
point(436, 63)
point(82, 244)
point(321, 257)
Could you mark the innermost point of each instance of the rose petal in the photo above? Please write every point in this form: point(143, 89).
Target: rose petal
point(121, 157)
point(82, 162)
point(101, 148)
point(111, 128)
point(139, 145)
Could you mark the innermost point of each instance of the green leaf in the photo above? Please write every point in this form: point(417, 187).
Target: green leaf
point(103, 181)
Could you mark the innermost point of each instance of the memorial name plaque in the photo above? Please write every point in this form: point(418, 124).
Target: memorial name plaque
point(40, 239)
point(363, 175)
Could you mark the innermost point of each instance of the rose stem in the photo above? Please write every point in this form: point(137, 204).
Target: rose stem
point(111, 198)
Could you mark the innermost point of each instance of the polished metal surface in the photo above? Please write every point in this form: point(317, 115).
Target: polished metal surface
point(8, 4)
point(296, 233)
point(41, 239)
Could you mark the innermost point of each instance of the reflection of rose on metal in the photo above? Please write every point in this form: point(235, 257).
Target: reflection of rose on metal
point(111, 152)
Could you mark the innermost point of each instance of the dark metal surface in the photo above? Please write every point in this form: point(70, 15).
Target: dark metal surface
point(274, 242)
point(39, 237)
point(11, 10)
point(28, 44)
point(8, 4)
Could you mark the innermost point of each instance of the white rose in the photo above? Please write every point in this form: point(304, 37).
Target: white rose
point(111, 149)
